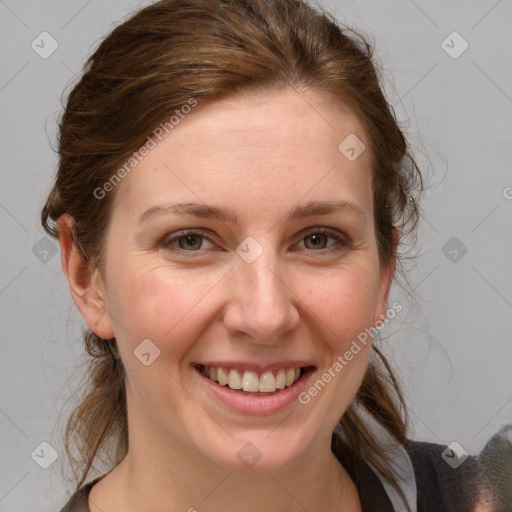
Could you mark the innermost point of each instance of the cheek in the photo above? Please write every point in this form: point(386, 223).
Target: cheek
point(343, 302)
point(160, 304)
point(342, 308)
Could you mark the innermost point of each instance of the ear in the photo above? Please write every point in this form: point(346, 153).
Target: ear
point(85, 281)
point(386, 279)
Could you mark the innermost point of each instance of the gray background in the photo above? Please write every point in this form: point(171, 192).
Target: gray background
point(452, 348)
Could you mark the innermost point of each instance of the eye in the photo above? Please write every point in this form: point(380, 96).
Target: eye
point(316, 241)
point(185, 242)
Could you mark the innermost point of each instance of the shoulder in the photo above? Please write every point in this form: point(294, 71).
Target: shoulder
point(446, 477)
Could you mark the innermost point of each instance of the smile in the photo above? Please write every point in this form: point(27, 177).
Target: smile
point(254, 389)
point(253, 382)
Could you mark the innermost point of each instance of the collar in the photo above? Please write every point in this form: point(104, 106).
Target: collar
point(376, 494)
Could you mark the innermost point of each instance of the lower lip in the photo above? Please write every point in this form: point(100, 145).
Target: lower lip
point(256, 404)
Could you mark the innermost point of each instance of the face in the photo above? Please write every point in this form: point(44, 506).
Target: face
point(269, 264)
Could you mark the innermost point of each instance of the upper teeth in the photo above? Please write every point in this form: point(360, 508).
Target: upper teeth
point(250, 381)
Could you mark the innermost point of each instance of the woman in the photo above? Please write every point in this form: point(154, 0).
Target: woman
point(232, 193)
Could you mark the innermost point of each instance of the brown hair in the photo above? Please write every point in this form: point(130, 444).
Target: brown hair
point(146, 69)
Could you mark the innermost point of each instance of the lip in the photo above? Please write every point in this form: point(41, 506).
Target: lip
point(255, 405)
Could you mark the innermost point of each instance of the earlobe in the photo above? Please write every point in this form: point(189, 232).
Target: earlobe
point(85, 282)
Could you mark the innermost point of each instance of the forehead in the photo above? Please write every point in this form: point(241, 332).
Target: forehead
point(246, 146)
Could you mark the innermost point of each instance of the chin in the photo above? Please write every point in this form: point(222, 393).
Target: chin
point(258, 452)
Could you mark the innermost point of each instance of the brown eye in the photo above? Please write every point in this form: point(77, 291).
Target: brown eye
point(190, 241)
point(323, 241)
point(318, 240)
point(187, 243)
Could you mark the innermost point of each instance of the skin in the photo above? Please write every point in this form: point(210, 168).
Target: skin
point(259, 155)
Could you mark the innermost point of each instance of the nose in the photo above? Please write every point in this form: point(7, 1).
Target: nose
point(261, 304)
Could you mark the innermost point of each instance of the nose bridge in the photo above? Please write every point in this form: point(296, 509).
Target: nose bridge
point(262, 304)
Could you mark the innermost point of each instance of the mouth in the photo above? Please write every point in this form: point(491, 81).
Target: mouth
point(253, 382)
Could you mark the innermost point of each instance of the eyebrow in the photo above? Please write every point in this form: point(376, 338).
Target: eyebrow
point(202, 210)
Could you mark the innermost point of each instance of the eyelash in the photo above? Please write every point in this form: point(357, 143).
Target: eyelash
point(341, 240)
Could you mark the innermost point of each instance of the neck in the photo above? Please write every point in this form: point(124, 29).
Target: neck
point(161, 472)
point(318, 485)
